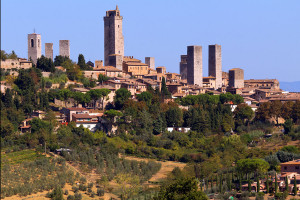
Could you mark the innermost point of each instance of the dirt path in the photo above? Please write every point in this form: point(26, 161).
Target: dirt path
point(166, 167)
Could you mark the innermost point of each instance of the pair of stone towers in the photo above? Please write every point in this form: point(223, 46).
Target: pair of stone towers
point(191, 67)
point(35, 48)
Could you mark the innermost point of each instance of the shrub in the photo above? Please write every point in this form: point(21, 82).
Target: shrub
point(70, 197)
point(90, 185)
point(75, 189)
point(100, 192)
point(82, 187)
point(77, 196)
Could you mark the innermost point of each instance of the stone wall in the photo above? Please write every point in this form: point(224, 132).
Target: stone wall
point(116, 61)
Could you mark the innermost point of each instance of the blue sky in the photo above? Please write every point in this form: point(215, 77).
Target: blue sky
point(260, 36)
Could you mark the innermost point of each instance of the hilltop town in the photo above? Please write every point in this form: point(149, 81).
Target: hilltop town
point(123, 128)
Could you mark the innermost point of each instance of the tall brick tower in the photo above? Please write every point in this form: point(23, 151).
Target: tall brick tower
point(64, 48)
point(194, 65)
point(34, 47)
point(215, 63)
point(113, 36)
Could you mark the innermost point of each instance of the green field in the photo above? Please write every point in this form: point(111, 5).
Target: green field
point(18, 157)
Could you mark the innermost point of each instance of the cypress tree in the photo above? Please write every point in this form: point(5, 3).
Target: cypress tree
point(286, 184)
point(221, 184)
point(249, 185)
point(240, 182)
point(276, 184)
point(258, 185)
point(295, 186)
point(267, 184)
point(216, 183)
point(212, 183)
point(229, 181)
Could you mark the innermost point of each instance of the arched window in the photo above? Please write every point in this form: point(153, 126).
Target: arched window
point(32, 43)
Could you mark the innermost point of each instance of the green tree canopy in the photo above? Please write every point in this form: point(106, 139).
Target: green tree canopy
point(249, 165)
point(122, 95)
point(45, 64)
point(102, 78)
point(182, 189)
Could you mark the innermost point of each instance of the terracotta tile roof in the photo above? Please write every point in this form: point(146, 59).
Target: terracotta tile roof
point(293, 162)
point(209, 77)
point(107, 68)
point(77, 109)
point(82, 116)
point(136, 63)
point(104, 86)
point(261, 81)
point(81, 89)
point(130, 58)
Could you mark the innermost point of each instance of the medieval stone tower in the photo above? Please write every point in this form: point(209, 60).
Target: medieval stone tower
point(236, 78)
point(183, 66)
point(34, 47)
point(215, 64)
point(113, 36)
point(49, 50)
point(64, 48)
point(194, 65)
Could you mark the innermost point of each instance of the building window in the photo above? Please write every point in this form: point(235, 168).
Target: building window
point(297, 167)
point(38, 43)
point(32, 43)
point(285, 168)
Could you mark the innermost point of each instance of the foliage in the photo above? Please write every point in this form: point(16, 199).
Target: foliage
point(45, 64)
point(81, 63)
point(102, 78)
point(252, 165)
point(181, 189)
point(122, 95)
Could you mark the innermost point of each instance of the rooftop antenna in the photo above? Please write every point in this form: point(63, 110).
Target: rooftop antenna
point(33, 30)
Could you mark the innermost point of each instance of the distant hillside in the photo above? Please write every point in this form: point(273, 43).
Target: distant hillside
point(290, 86)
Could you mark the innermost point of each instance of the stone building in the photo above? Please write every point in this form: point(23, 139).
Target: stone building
point(150, 62)
point(19, 63)
point(183, 66)
point(134, 67)
point(34, 47)
point(113, 36)
point(262, 83)
point(64, 48)
point(49, 50)
point(215, 64)
point(194, 65)
point(236, 78)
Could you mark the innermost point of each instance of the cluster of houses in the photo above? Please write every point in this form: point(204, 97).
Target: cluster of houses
point(289, 170)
